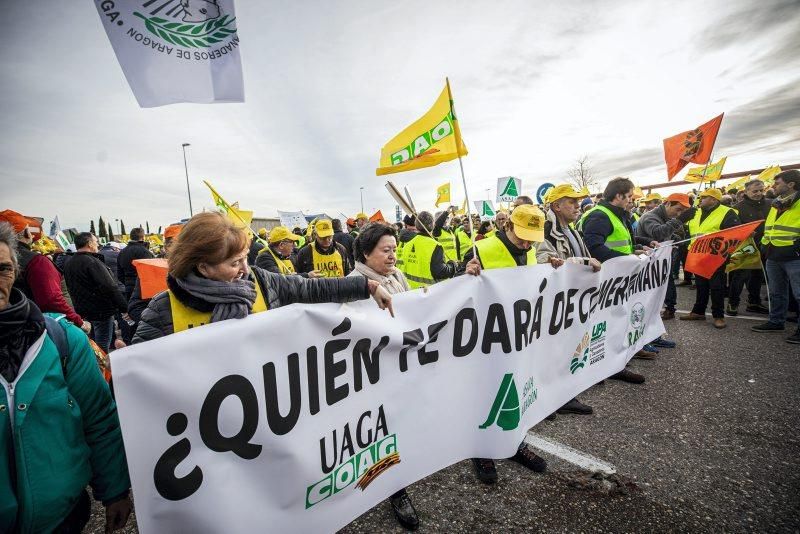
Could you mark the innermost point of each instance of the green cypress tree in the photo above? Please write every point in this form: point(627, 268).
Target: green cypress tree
point(91, 228)
point(147, 223)
point(103, 230)
point(122, 227)
point(110, 232)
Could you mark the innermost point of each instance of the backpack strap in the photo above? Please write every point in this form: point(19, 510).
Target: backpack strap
point(59, 337)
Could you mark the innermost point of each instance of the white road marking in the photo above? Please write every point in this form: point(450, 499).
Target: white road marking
point(567, 453)
point(762, 318)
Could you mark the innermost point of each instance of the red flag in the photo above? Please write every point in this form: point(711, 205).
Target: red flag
point(710, 252)
point(152, 276)
point(692, 146)
point(377, 216)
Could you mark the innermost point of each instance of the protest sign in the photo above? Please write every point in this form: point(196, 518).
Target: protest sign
point(508, 189)
point(292, 219)
point(243, 426)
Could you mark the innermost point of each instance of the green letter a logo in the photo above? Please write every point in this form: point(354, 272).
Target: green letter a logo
point(505, 408)
point(510, 190)
point(487, 210)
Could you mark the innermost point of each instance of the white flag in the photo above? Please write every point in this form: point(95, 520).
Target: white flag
point(485, 209)
point(176, 50)
point(55, 227)
point(508, 189)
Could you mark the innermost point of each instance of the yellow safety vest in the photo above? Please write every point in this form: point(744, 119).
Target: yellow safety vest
point(494, 255)
point(417, 256)
point(329, 265)
point(464, 242)
point(184, 317)
point(710, 224)
point(285, 265)
point(783, 230)
point(448, 242)
point(399, 254)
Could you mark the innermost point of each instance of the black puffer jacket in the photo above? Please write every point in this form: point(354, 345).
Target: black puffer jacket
point(278, 291)
point(93, 288)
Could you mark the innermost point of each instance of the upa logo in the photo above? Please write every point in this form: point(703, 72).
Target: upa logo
point(581, 354)
point(637, 320)
point(188, 23)
point(505, 411)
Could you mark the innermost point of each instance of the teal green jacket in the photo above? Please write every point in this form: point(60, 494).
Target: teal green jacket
point(57, 435)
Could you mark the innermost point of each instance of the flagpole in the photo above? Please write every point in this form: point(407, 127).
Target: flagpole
point(461, 166)
point(704, 235)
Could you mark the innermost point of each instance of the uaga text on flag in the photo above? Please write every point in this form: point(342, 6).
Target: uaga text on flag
point(710, 252)
point(692, 146)
point(188, 52)
point(433, 139)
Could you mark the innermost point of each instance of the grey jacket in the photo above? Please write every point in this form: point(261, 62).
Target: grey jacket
point(278, 291)
point(556, 243)
point(657, 226)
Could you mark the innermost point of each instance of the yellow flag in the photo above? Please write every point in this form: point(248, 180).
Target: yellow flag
point(712, 174)
point(739, 183)
point(443, 194)
point(746, 256)
point(241, 218)
point(432, 139)
point(768, 175)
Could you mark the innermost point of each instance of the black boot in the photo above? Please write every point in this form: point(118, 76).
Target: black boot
point(529, 459)
point(403, 510)
point(485, 469)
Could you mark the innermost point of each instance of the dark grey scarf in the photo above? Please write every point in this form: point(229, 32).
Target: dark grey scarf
point(232, 300)
point(21, 324)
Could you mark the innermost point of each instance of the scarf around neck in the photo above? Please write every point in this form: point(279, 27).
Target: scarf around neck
point(394, 282)
point(21, 324)
point(232, 300)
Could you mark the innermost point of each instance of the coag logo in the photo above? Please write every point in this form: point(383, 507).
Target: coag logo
point(581, 354)
point(189, 23)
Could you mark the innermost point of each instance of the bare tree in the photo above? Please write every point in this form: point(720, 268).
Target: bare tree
point(581, 175)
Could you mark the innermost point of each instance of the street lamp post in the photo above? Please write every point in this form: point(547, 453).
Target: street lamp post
point(118, 228)
point(186, 168)
point(362, 199)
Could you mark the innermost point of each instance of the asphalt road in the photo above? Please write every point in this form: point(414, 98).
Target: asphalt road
point(709, 443)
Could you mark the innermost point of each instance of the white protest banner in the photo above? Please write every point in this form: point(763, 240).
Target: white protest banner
point(302, 418)
point(176, 50)
point(292, 219)
point(508, 188)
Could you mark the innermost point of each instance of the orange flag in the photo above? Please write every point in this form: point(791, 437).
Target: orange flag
point(152, 276)
point(693, 146)
point(710, 252)
point(377, 216)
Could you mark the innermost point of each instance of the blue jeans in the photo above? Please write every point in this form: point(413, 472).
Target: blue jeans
point(102, 332)
point(782, 277)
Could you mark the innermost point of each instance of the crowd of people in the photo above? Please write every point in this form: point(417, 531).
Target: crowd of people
point(59, 314)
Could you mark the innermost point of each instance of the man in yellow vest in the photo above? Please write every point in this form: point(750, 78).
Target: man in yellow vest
point(324, 255)
point(711, 217)
point(512, 247)
point(278, 257)
point(781, 246)
point(423, 260)
point(446, 235)
point(608, 233)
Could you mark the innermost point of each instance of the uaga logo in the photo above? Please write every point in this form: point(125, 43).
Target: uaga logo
point(378, 452)
point(505, 410)
point(191, 23)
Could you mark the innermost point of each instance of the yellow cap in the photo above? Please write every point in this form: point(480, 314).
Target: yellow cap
point(637, 193)
point(564, 191)
point(262, 233)
point(651, 197)
point(361, 216)
point(279, 233)
point(528, 222)
point(324, 228)
point(713, 193)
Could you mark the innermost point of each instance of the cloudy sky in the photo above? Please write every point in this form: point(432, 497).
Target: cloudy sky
point(536, 85)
